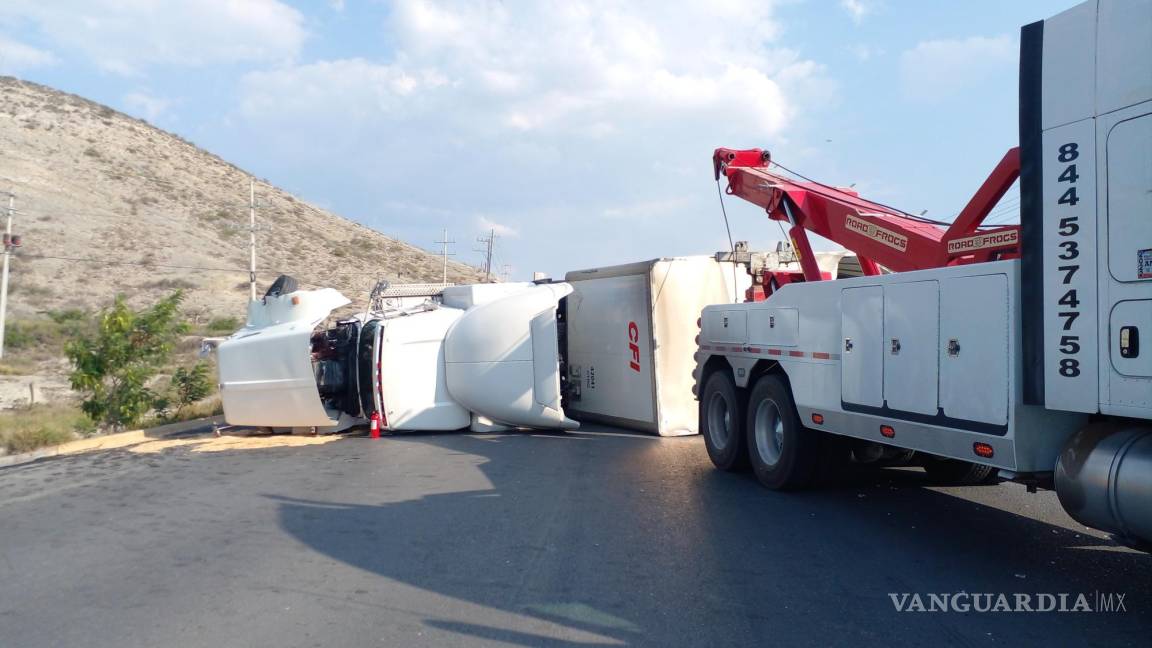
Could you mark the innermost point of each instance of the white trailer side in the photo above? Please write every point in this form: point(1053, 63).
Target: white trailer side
point(631, 339)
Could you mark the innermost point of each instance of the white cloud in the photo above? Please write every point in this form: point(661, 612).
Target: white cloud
point(145, 105)
point(941, 69)
point(127, 36)
point(16, 56)
point(857, 9)
point(547, 68)
point(488, 225)
point(543, 115)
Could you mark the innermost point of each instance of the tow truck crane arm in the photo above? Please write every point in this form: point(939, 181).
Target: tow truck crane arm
point(878, 234)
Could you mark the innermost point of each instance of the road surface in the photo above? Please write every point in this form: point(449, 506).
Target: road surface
point(584, 539)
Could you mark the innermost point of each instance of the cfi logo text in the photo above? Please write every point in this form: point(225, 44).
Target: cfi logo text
point(1016, 602)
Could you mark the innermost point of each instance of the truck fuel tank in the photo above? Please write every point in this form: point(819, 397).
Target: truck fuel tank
point(1104, 480)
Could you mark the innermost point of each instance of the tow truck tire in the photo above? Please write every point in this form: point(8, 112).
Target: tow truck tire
point(784, 454)
point(962, 473)
point(722, 421)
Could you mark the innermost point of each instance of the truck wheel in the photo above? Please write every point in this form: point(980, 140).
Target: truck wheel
point(721, 420)
point(963, 473)
point(784, 454)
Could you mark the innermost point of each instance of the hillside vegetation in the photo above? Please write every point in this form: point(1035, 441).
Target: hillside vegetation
point(93, 183)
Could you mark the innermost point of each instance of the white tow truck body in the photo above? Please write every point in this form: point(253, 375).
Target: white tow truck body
point(1040, 366)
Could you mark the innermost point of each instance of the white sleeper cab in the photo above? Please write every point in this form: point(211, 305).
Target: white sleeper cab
point(482, 356)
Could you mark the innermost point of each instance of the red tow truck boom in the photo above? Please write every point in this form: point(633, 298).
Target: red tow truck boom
point(880, 235)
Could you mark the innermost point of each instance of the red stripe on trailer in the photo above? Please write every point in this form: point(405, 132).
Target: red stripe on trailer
point(753, 349)
point(796, 354)
point(774, 351)
point(819, 355)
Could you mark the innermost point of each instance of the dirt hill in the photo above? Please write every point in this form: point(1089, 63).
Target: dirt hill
point(111, 204)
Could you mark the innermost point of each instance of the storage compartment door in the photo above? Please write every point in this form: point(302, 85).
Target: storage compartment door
point(862, 366)
point(974, 348)
point(911, 333)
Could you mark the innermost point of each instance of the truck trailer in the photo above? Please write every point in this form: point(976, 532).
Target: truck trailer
point(1022, 348)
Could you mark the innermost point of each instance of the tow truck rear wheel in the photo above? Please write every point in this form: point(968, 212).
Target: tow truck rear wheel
point(722, 422)
point(784, 454)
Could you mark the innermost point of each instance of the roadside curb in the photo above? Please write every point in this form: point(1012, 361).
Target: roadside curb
point(112, 441)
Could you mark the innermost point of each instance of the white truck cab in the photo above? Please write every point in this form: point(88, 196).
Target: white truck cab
point(484, 356)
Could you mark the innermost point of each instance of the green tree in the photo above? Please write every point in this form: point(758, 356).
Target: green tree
point(191, 385)
point(113, 365)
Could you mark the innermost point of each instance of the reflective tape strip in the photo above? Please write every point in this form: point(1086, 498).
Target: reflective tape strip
point(791, 353)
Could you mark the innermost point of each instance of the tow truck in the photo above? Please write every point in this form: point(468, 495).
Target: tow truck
point(1024, 349)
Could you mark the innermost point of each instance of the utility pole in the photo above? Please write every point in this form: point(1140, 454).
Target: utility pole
point(505, 272)
point(489, 243)
point(8, 245)
point(444, 242)
point(252, 239)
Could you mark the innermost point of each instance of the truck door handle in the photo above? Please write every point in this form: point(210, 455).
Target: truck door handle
point(953, 347)
point(1129, 342)
point(848, 345)
point(895, 346)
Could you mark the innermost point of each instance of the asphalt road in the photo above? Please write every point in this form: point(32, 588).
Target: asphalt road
point(530, 540)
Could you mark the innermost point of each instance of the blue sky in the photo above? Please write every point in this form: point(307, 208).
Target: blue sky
point(581, 132)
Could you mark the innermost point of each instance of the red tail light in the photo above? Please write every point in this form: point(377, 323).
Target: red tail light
point(983, 450)
point(818, 419)
point(888, 431)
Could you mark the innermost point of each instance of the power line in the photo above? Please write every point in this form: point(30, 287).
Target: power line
point(445, 253)
point(489, 242)
point(9, 243)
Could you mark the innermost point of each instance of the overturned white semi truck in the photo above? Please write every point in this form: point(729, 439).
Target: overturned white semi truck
point(613, 344)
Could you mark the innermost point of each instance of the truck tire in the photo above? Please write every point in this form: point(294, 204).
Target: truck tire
point(784, 454)
point(721, 422)
point(961, 473)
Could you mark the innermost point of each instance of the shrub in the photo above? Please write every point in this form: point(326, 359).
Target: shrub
point(222, 325)
point(20, 335)
point(113, 365)
point(28, 428)
point(191, 385)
